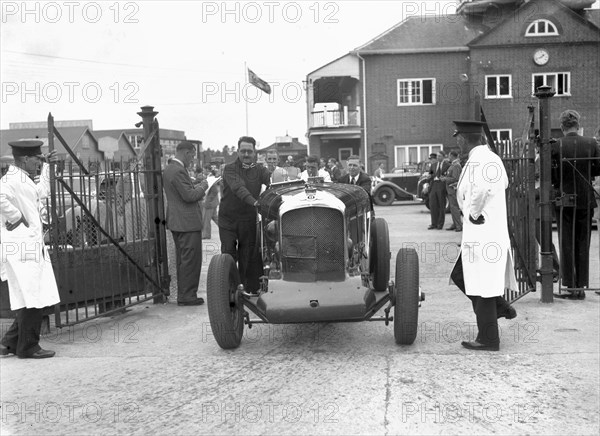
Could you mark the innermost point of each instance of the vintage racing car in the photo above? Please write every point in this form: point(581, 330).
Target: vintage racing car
point(325, 258)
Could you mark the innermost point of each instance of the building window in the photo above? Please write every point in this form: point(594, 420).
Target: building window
point(85, 141)
point(498, 86)
point(406, 155)
point(560, 82)
point(501, 135)
point(541, 28)
point(416, 91)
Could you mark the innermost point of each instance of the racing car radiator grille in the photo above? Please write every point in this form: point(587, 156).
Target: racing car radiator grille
point(313, 245)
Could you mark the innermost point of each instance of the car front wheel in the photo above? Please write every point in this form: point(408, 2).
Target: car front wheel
point(406, 295)
point(225, 311)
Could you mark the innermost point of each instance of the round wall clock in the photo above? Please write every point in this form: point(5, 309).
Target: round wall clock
point(541, 56)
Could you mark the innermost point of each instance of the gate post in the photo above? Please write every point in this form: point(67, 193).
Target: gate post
point(156, 228)
point(544, 93)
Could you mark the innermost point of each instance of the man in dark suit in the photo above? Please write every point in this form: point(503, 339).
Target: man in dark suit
point(355, 176)
point(242, 182)
point(334, 171)
point(437, 192)
point(184, 219)
point(573, 178)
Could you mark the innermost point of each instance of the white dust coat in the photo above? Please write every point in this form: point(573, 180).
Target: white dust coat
point(486, 256)
point(25, 259)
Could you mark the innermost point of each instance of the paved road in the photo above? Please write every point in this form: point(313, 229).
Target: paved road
point(157, 369)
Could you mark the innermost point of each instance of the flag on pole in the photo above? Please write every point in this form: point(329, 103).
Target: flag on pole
point(258, 82)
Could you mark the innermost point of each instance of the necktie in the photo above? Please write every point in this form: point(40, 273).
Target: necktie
point(353, 181)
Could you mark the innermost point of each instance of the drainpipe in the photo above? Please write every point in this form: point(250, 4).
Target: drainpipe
point(363, 109)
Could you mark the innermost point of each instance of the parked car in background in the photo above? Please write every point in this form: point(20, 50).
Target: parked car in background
point(405, 183)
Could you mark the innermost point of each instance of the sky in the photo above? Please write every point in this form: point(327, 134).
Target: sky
point(103, 60)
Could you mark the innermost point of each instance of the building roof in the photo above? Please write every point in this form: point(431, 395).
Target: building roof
point(285, 147)
point(420, 34)
point(593, 16)
point(72, 135)
point(431, 33)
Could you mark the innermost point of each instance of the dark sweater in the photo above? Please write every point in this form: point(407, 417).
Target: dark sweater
point(241, 188)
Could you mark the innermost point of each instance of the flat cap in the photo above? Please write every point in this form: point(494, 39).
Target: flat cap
point(27, 147)
point(467, 127)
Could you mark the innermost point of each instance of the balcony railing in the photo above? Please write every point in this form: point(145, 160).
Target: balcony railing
point(335, 118)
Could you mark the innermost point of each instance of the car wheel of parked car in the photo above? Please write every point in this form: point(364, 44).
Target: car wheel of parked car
point(225, 312)
point(384, 196)
point(406, 293)
point(379, 254)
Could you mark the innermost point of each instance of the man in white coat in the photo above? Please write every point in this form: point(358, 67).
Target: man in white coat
point(25, 259)
point(484, 268)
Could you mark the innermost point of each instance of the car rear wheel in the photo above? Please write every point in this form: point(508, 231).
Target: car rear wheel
point(379, 254)
point(384, 196)
point(406, 293)
point(225, 311)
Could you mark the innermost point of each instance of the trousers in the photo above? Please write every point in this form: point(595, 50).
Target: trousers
point(487, 310)
point(240, 243)
point(23, 336)
point(188, 254)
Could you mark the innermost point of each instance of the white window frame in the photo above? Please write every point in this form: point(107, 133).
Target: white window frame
point(497, 134)
point(411, 93)
point(532, 29)
point(498, 77)
point(546, 75)
point(431, 148)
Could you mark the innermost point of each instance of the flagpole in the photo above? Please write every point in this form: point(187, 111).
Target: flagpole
point(245, 99)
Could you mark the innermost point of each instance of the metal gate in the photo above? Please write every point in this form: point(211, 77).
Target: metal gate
point(519, 161)
point(106, 230)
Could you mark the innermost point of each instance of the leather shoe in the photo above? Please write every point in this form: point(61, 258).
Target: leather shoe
point(197, 302)
point(480, 347)
point(509, 313)
point(39, 354)
point(431, 227)
point(451, 228)
point(5, 351)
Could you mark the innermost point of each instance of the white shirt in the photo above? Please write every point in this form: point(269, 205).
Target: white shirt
point(322, 173)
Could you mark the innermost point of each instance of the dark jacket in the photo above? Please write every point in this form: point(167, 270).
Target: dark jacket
point(577, 175)
point(364, 181)
point(183, 210)
point(335, 173)
point(241, 188)
point(433, 171)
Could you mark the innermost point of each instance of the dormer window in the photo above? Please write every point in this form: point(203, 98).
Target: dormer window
point(541, 28)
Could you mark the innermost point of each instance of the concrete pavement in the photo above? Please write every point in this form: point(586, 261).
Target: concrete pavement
point(157, 370)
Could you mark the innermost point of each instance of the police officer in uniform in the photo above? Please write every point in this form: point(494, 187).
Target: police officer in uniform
point(484, 267)
point(26, 262)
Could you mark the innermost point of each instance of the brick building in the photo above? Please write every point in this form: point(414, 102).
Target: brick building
point(409, 83)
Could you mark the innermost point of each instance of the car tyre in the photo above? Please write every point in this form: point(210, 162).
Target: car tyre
point(384, 196)
point(379, 254)
point(406, 294)
point(225, 311)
